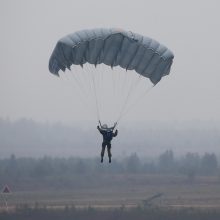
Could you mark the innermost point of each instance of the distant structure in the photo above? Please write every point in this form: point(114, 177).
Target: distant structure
point(6, 190)
point(148, 202)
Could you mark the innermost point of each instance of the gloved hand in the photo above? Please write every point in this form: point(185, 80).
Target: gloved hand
point(97, 127)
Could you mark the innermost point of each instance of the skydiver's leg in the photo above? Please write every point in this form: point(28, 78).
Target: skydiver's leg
point(103, 151)
point(109, 152)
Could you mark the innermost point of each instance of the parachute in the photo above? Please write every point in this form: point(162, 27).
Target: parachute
point(112, 47)
point(115, 48)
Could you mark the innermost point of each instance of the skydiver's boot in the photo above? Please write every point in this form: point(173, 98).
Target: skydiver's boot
point(101, 159)
point(109, 160)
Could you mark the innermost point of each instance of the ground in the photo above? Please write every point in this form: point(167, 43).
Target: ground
point(127, 190)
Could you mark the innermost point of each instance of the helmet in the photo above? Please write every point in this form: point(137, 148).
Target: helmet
point(105, 126)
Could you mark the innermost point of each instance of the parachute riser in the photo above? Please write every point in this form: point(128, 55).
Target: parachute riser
point(111, 128)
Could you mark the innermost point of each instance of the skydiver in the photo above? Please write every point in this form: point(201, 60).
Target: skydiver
point(108, 135)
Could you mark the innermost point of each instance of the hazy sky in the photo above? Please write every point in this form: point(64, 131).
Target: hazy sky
point(30, 30)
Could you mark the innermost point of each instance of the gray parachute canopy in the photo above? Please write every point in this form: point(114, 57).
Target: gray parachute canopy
point(112, 47)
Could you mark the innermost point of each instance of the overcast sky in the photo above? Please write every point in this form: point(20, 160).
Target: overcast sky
point(30, 30)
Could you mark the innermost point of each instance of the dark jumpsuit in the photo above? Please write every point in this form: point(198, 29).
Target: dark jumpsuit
point(107, 134)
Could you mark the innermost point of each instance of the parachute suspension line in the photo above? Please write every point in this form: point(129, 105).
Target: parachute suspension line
point(84, 80)
point(104, 90)
point(87, 78)
point(114, 88)
point(113, 82)
point(96, 99)
point(79, 83)
point(118, 93)
point(135, 102)
point(80, 77)
point(132, 86)
point(98, 73)
point(135, 83)
point(118, 78)
point(113, 93)
point(127, 81)
point(119, 90)
point(101, 74)
point(98, 79)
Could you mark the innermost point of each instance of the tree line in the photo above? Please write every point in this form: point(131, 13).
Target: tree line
point(75, 172)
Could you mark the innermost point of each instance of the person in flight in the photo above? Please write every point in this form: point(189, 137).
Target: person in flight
point(108, 134)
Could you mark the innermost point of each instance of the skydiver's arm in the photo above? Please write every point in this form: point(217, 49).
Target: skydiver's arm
point(115, 134)
point(113, 127)
point(100, 129)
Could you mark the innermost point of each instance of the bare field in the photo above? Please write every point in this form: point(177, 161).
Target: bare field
point(127, 191)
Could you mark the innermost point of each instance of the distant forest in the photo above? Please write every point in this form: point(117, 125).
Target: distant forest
point(73, 172)
point(73, 153)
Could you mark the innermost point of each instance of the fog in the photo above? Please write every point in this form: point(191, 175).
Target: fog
point(33, 139)
point(40, 116)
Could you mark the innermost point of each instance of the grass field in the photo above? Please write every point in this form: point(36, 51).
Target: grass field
point(126, 190)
